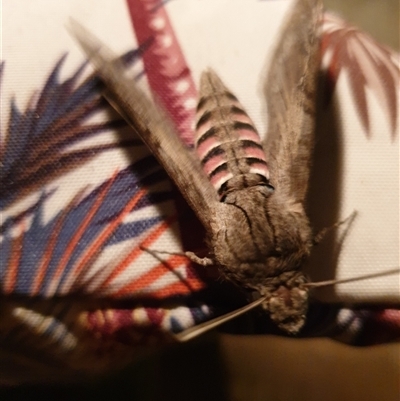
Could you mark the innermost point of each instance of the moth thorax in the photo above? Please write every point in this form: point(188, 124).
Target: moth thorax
point(287, 301)
point(243, 181)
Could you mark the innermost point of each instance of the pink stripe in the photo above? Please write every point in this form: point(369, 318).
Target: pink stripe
point(259, 168)
point(255, 152)
point(218, 179)
point(242, 118)
point(237, 104)
point(206, 146)
point(248, 134)
point(213, 163)
point(200, 112)
point(200, 131)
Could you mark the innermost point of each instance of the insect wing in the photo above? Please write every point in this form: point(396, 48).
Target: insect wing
point(153, 127)
point(290, 91)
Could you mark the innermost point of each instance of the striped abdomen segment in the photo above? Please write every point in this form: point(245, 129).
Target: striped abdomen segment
point(227, 142)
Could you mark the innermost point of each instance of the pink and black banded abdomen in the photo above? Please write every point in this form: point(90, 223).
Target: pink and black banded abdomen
point(227, 142)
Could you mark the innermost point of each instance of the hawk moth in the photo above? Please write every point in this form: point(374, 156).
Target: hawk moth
point(249, 195)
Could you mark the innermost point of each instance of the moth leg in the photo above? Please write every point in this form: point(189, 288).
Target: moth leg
point(318, 238)
point(190, 255)
point(200, 261)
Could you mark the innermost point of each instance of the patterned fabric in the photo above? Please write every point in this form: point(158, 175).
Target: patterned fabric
point(82, 199)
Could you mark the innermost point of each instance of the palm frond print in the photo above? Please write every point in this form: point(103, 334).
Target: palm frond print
point(54, 258)
point(92, 247)
point(370, 67)
point(36, 146)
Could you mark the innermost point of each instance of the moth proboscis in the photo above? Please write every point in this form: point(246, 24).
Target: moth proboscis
point(248, 194)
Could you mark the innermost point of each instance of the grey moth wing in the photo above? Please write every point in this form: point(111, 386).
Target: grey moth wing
point(150, 123)
point(290, 90)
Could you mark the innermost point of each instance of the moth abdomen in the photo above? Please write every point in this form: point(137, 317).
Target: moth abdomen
point(227, 141)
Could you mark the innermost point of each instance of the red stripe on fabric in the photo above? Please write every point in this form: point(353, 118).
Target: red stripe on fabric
point(187, 287)
point(155, 316)
point(78, 235)
point(48, 253)
point(14, 262)
point(165, 65)
point(148, 278)
point(98, 242)
point(136, 252)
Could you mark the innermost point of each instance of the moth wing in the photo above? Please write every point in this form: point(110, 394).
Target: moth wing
point(151, 124)
point(290, 91)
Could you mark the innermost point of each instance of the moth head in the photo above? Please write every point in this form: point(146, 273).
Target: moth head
point(287, 301)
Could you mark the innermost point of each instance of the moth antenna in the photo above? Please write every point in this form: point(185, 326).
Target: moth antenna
point(190, 255)
point(317, 239)
point(156, 253)
point(348, 280)
point(202, 328)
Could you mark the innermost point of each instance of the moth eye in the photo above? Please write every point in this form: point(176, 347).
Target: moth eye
point(254, 295)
